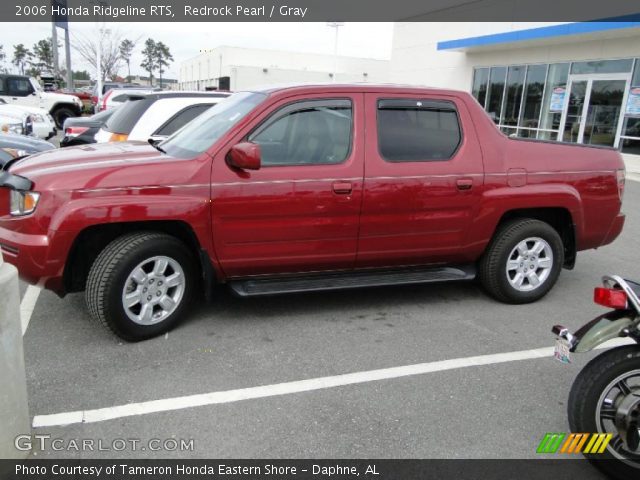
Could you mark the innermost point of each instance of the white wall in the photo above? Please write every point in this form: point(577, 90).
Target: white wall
point(281, 67)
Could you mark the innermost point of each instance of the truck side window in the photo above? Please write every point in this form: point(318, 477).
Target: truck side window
point(417, 130)
point(3, 90)
point(316, 132)
point(19, 87)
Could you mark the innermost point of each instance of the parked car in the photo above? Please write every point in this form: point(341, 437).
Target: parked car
point(115, 98)
point(303, 188)
point(82, 130)
point(17, 123)
point(106, 86)
point(26, 91)
point(15, 146)
point(42, 123)
point(156, 115)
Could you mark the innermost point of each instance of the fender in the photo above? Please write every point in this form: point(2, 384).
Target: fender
point(127, 206)
point(602, 329)
point(496, 202)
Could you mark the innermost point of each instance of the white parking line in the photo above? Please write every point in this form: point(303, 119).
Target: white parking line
point(27, 305)
point(229, 396)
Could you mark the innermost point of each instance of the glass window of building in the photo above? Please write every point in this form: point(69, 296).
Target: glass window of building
point(515, 82)
point(532, 100)
point(480, 80)
point(496, 92)
point(630, 138)
point(555, 85)
point(602, 66)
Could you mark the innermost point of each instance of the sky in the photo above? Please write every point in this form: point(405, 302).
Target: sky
point(185, 40)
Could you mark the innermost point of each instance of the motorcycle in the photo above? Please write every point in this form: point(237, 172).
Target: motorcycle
point(605, 396)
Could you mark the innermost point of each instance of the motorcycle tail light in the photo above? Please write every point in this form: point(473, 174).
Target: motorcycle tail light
point(611, 298)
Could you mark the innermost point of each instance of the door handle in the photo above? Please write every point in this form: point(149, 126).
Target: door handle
point(343, 188)
point(464, 183)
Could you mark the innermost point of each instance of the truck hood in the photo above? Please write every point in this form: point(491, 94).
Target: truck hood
point(110, 165)
point(53, 97)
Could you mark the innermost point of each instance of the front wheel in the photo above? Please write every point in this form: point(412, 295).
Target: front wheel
point(522, 262)
point(141, 284)
point(61, 114)
point(603, 390)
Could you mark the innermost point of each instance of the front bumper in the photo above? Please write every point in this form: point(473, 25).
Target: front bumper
point(33, 256)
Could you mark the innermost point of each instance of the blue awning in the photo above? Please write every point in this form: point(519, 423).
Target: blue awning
point(535, 35)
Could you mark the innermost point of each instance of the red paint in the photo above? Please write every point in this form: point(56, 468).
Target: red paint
point(365, 212)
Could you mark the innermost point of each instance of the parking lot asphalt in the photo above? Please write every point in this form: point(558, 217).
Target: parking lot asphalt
point(497, 410)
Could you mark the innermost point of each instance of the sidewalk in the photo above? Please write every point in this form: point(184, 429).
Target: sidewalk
point(632, 163)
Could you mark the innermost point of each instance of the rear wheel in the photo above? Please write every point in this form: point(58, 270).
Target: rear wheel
point(522, 262)
point(602, 391)
point(141, 284)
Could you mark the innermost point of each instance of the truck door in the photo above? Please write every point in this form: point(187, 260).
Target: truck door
point(300, 211)
point(423, 179)
point(19, 91)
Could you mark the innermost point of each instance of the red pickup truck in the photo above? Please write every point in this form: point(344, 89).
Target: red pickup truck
point(306, 188)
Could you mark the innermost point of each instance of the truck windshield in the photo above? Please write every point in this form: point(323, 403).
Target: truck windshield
point(198, 135)
point(35, 84)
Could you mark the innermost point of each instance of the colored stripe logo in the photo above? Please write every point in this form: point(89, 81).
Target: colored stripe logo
point(573, 443)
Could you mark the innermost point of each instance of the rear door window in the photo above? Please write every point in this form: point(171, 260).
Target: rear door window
point(181, 118)
point(417, 130)
point(125, 117)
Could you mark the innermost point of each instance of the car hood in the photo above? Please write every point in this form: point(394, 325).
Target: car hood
point(22, 109)
point(14, 113)
point(22, 142)
point(111, 165)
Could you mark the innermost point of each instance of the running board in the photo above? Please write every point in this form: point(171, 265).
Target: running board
point(337, 281)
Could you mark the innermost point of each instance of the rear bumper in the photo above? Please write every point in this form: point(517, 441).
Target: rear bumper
point(614, 229)
point(31, 255)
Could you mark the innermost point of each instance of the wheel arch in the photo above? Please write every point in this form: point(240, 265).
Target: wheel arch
point(71, 106)
point(93, 239)
point(559, 218)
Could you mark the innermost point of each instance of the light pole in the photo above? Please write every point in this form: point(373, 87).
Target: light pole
point(337, 26)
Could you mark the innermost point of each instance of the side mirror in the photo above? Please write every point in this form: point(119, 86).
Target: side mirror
point(245, 156)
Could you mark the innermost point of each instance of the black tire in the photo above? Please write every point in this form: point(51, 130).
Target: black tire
point(583, 401)
point(111, 269)
point(60, 114)
point(492, 266)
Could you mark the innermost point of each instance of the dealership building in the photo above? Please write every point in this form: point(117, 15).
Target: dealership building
point(576, 82)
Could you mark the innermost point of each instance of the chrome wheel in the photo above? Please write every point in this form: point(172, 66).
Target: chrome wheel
point(529, 264)
point(611, 406)
point(153, 290)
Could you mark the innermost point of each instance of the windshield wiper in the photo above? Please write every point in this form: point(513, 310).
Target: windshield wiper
point(154, 144)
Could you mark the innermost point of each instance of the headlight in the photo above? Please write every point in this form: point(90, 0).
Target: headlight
point(12, 128)
point(23, 203)
point(15, 153)
point(36, 117)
